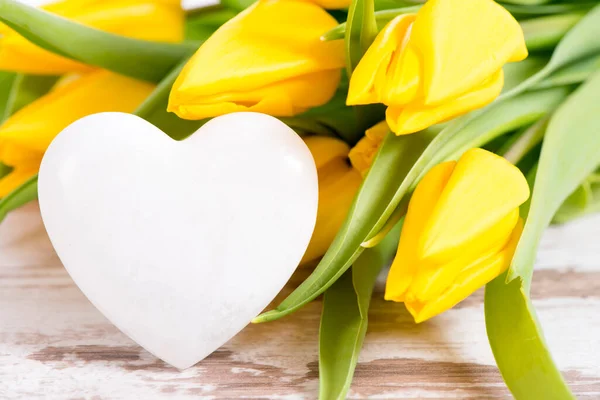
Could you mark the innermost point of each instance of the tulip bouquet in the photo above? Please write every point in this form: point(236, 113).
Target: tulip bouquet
point(449, 133)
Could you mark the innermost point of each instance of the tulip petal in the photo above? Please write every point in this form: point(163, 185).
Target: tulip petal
point(433, 279)
point(36, 125)
point(17, 177)
point(472, 211)
point(378, 131)
point(468, 281)
point(326, 149)
point(338, 183)
point(332, 4)
point(154, 20)
point(423, 201)
point(269, 58)
point(151, 20)
point(363, 153)
point(283, 99)
point(13, 155)
point(18, 54)
point(404, 78)
point(462, 43)
point(417, 116)
point(368, 81)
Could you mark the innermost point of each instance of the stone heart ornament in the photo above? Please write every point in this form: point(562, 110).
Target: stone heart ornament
point(179, 244)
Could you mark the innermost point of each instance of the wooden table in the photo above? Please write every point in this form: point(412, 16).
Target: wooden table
point(55, 345)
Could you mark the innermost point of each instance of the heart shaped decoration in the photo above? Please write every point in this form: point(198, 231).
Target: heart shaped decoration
point(179, 244)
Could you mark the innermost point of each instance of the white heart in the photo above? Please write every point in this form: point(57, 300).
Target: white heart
point(179, 244)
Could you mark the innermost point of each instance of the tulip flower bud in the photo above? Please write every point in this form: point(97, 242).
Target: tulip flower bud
point(460, 232)
point(154, 20)
point(268, 59)
point(25, 136)
point(435, 65)
point(338, 183)
point(340, 171)
point(362, 155)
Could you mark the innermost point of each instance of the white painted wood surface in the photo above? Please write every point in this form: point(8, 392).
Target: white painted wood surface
point(55, 345)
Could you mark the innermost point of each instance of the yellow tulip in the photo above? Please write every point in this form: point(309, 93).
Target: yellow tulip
point(460, 232)
point(25, 136)
point(362, 155)
point(268, 59)
point(340, 171)
point(155, 20)
point(332, 4)
point(439, 63)
point(338, 183)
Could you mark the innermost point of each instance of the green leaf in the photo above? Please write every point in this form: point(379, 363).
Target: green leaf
point(27, 89)
point(398, 167)
point(20, 91)
point(571, 152)
point(573, 73)
point(525, 11)
point(18, 197)
point(518, 344)
point(237, 5)
point(516, 73)
point(361, 31)
point(366, 117)
point(335, 117)
point(345, 317)
point(4, 170)
point(202, 24)
point(584, 200)
point(526, 2)
point(7, 81)
point(515, 150)
point(305, 127)
point(17, 90)
point(578, 44)
point(154, 109)
point(136, 58)
point(544, 33)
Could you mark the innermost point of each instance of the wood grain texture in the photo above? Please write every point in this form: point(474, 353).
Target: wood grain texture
point(55, 345)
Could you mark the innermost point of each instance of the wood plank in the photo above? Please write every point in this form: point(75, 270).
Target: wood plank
point(55, 344)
